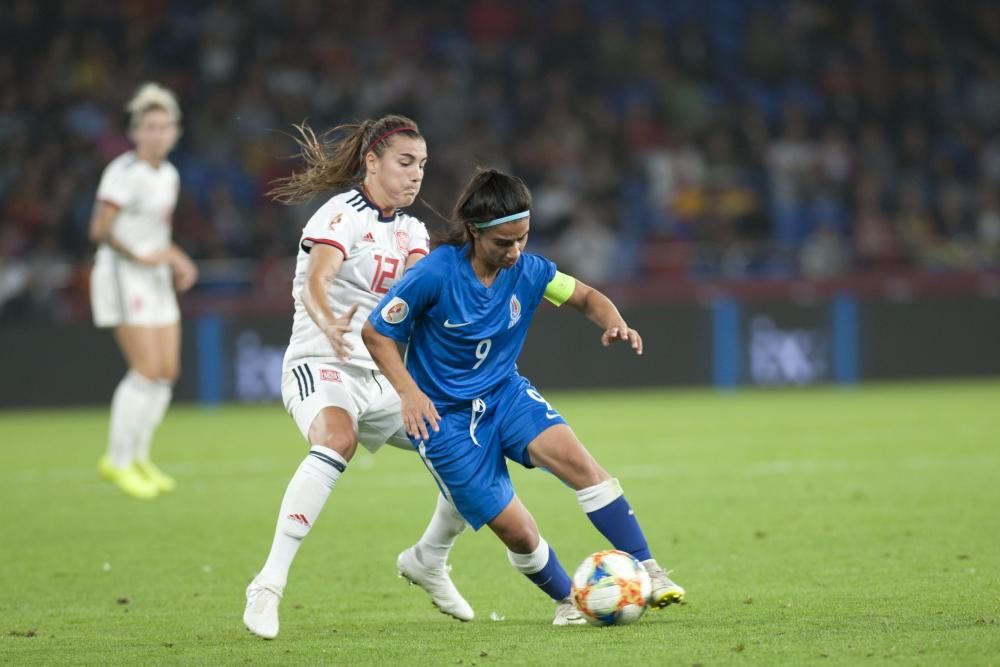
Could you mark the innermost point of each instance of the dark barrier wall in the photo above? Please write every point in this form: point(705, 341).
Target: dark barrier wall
point(724, 343)
point(73, 365)
point(930, 338)
point(564, 349)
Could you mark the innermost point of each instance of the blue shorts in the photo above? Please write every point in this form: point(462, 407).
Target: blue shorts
point(467, 456)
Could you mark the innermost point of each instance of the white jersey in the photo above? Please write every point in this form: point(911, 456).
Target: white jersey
point(146, 196)
point(375, 251)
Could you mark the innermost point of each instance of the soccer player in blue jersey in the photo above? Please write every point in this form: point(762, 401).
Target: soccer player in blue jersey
point(465, 311)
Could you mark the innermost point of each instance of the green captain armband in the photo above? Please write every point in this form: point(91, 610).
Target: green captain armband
point(560, 289)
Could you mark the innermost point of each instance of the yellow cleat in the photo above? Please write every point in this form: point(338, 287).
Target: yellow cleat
point(665, 592)
point(105, 469)
point(163, 482)
point(128, 479)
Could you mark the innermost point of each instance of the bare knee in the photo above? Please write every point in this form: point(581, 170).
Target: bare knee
point(148, 371)
point(523, 542)
point(521, 537)
point(586, 473)
point(170, 373)
point(326, 434)
point(579, 470)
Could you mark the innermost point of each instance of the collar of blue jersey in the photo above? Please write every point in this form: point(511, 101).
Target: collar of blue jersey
point(499, 221)
point(360, 201)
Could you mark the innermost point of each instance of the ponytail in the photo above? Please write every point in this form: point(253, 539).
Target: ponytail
point(336, 158)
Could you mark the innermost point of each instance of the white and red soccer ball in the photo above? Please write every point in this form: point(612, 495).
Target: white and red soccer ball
point(611, 587)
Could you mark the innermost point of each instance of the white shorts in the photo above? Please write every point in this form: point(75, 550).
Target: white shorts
point(122, 292)
point(309, 386)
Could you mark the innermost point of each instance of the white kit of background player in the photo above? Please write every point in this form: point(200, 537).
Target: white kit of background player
point(136, 273)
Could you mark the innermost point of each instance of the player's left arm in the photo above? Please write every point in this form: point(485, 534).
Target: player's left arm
point(184, 268)
point(596, 306)
point(419, 245)
point(413, 258)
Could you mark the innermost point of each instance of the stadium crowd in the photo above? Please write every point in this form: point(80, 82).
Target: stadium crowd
point(684, 140)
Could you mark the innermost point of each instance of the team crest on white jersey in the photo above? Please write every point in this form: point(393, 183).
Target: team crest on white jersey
point(403, 242)
point(515, 311)
point(395, 311)
point(337, 219)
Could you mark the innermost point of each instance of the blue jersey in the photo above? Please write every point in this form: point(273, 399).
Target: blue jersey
point(464, 338)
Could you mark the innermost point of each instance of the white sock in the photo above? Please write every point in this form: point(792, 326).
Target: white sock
point(159, 401)
point(533, 562)
point(304, 498)
point(445, 526)
point(129, 407)
point(599, 496)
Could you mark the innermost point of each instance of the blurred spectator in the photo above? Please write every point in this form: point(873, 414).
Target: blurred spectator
point(693, 141)
point(875, 245)
point(988, 223)
point(824, 254)
point(588, 249)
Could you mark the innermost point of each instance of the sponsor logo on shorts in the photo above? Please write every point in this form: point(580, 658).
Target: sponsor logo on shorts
point(395, 311)
point(329, 375)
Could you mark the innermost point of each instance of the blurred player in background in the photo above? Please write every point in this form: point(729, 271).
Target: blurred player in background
point(352, 251)
point(464, 312)
point(132, 288)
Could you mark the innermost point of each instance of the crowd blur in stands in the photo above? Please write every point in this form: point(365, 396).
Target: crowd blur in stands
point(674, 140)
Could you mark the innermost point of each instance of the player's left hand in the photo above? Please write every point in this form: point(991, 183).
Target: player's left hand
point(185, 271)
point(620, 334)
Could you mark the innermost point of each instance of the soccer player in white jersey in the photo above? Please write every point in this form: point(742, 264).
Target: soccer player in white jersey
point(352, 251)
point(132, 287)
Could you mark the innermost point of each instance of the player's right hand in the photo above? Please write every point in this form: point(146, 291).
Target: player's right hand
point(418, 411)
point(336, 331)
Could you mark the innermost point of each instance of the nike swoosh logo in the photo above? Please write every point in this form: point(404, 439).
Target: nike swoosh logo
point(455, 325)
point(551, 415)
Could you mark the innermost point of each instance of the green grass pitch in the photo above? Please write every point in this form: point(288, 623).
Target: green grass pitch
point(822, 526)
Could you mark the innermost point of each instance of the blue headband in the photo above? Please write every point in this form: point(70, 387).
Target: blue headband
point(500, 221)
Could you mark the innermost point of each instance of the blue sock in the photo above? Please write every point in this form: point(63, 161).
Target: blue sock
point(616, 521)
point(552, 578)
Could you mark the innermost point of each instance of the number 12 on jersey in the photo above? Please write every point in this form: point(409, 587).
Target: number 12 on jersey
point(385, 269)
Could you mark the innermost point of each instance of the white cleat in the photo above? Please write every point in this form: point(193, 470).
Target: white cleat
point(568, 614)
point(437, 584)
point(261, 614)
point(664, 592)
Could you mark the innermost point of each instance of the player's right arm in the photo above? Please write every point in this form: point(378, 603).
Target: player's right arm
point(114, 192)
point(101, 223)
point(391, 322)
point(324, 265)
point(415, 407)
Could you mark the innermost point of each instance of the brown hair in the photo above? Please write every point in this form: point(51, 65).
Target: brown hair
point(336, 158)
point(490, 194)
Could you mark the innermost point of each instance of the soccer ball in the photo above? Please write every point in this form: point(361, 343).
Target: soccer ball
point(611, 587)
